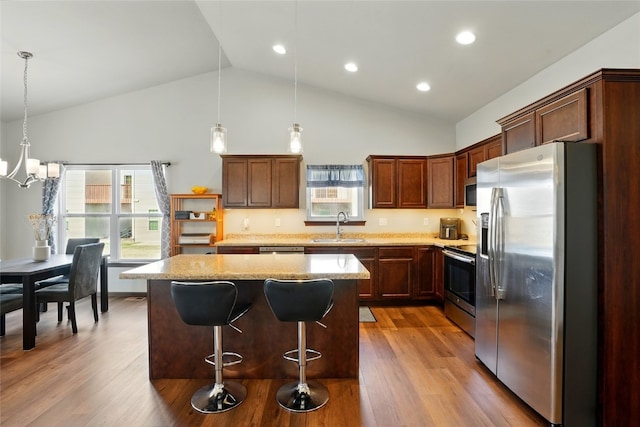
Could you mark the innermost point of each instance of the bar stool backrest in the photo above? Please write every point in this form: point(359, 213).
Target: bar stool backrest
point(299, 300)
point(204, 303)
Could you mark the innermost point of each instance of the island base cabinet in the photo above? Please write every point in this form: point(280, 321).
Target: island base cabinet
point(177, 350)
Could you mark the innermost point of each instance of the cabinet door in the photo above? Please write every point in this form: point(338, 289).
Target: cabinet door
point(477, 155)
point(286, 183)
point(461, 179)
point(565, 119)
point(395, 272)
point(382, 183)
point(441, 182)
point(424, 285)
point(494, 148)
point(438, 273)
point(234, 183)
point(519, 134)
point(367, 257)
point(412, 178)
point(259, 185)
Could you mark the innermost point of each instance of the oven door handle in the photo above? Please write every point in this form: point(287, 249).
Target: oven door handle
point(460, 258)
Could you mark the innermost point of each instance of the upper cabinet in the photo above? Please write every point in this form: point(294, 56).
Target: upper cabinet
point(485, 150)
point(397, 182)
point(563, 119)
point(260, 181)
point(440, 179)
point(461, 168)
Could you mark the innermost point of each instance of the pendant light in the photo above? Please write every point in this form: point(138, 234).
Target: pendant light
point(295, 131)
point(218, 133)
point(33, 169)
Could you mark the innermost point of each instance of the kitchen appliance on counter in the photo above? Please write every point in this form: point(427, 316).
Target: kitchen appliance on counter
point(449, 228)
point(536, 277)
point(460, 286)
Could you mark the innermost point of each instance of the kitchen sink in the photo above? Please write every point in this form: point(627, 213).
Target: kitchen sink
point(334, 240)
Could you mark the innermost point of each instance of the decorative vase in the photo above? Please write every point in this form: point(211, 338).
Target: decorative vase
point(41, 251)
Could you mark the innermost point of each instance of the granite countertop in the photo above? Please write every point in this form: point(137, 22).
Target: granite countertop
point(251, 267)
point(369, 239)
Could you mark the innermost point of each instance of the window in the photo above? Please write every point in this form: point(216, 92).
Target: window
point(115, 203)
point(332, 189)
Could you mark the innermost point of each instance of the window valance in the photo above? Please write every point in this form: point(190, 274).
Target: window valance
point(335, 176)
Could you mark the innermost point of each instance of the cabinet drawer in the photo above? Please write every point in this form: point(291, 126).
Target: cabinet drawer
point(396, 252)
point(361, 253)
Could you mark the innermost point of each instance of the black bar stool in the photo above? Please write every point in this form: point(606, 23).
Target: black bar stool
point(301, 301)
point(213, 304)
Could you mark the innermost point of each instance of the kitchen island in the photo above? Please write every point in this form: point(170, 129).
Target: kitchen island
point(177, 350)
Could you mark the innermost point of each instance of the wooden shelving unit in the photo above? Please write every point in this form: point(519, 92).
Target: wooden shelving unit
point(199, 232)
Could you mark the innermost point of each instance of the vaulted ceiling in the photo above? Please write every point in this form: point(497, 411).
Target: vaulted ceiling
point(89, 50)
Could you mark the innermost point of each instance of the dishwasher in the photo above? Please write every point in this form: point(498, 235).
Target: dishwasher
point(281, 249)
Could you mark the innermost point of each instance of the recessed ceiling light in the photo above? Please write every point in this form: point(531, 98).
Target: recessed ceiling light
point(465, 37)
point(278, 48)
point(350, 66)
point(423, 87)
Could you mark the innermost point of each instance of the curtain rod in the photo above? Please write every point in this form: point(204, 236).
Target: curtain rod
point(113, 164)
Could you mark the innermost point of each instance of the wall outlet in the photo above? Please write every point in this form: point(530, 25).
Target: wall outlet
point(245, 224)
point(277, 222)
point(382, 221)
point(425, 221)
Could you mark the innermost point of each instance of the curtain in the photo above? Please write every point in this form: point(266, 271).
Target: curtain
point(50, 188)
point(162, 196)
point(335, 176)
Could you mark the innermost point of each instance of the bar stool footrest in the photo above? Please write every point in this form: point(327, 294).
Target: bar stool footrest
point(311, 355)
point(232, 359)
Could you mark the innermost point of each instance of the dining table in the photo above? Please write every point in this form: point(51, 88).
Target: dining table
point(28, 272)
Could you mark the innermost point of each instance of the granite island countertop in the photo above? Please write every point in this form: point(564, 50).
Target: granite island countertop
point(368, 239)
point(251, 267)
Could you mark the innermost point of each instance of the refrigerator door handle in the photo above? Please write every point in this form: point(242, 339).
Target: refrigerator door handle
point(501, 288)
point(491, 244)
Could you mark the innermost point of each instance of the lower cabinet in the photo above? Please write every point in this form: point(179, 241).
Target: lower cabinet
point(398, 274)
point(395, 272)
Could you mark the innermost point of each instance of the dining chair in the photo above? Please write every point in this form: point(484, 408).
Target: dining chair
point(83, 282)
point(71, 247)
point(8, 302)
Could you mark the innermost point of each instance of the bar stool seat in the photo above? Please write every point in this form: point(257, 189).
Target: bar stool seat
point(301, 301)
point(213, 304)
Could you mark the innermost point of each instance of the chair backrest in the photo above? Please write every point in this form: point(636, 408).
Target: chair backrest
point(10, 302)
point(75, 241)
point(299, 300)
point(204, 303)
point(83, 277)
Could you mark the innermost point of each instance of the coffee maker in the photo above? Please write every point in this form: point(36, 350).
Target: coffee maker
point(449, 228)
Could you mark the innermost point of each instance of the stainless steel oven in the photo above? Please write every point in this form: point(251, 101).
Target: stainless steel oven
point(460, 286)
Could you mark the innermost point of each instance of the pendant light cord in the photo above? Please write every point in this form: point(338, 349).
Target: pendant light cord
point(24, 123)
point(219, 61)
point(295, 63)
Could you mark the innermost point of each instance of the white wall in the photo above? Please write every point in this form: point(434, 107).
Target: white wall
point(617, 48)
point(172, 122)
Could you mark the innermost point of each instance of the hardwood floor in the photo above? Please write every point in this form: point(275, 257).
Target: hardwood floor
point(416, 369)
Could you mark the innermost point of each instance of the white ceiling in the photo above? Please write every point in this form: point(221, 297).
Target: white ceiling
point(89, 50)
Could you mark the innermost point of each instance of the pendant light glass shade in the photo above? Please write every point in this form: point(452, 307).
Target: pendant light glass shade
point(295, 139)
point(218, 139)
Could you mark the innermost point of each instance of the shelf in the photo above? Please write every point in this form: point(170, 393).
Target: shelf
point(199, 204)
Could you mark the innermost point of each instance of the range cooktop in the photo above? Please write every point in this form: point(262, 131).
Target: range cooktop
point(465, 249)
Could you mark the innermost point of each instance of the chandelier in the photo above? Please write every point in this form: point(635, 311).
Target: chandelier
point(295, 131)
point(33, 169)
point(218, 141)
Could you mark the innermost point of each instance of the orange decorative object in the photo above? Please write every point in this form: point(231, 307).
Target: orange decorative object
point(199, 190)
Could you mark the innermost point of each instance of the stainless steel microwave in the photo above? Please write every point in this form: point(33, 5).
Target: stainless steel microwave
point(470, 192)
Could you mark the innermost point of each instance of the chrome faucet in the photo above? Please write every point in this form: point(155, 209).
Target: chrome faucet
point(338, 230)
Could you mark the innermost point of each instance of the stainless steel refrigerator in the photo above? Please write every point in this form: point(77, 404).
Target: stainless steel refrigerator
point(536, 277)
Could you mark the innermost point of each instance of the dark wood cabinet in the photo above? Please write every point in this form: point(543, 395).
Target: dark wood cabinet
point(563, 120)
point(397, 182)
point(519, 134)
point(395, 272)
point(438, 273)
point(424, 284)
point(484, 150)
point(460, 179)
point(238, 250)
point(269, 181)
point(440, 179)
point(494, 147)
